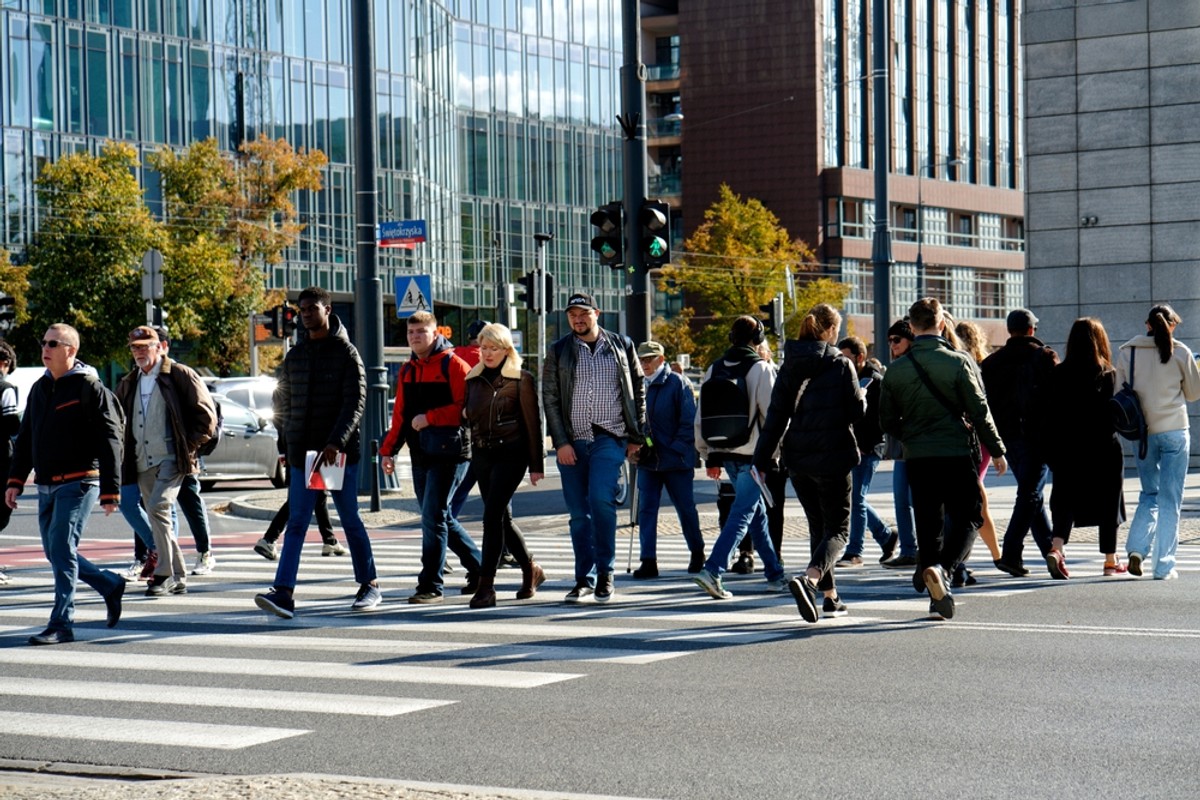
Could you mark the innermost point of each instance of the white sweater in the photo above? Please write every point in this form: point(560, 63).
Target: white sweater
point(1163, 389)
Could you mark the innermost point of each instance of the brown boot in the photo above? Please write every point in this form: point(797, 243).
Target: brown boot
point(485, 594)
point(532, 577)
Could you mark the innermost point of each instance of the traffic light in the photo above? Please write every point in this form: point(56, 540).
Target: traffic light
point(548, 300)
point(608, 220)
point(273, 321)
point(655, 238)
point(288, 319)
point(527, 294)
point(774, 312)
point(8, 313)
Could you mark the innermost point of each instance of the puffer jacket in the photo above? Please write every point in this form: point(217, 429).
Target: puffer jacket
point(1163, 389)
point(320, 396)
point(910, 412)
point(505, 413)
point(558, 385)
point(816, 431)
point(191, 415)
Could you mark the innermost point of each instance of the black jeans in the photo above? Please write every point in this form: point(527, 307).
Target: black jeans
point(1029, 512)
point(499, 472)
point(946, 508)
point(320, 511)
point(826, 503)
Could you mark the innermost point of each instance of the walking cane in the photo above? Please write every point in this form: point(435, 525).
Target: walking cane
point(633, 501)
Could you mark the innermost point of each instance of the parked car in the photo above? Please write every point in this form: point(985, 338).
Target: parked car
point(246, 450)
point(253, 393)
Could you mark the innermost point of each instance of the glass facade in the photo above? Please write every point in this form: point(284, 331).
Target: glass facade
point(495, 119)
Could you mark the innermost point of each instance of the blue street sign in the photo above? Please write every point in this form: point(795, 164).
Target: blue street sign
point(403, 233)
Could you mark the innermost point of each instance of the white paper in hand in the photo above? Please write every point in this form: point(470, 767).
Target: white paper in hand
point(328, 476)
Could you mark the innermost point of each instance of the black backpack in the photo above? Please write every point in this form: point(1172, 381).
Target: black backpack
point(208, 447)
point(1126, 408)
point(726, 420)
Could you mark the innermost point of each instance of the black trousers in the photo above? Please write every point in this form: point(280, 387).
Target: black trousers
point(500, 471)
point(826, 503)
point(946, 508)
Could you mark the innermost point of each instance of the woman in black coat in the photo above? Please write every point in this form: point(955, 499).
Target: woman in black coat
point(1084, 452)
point(817, 400)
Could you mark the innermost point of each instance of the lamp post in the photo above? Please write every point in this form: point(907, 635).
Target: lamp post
point(954, 162)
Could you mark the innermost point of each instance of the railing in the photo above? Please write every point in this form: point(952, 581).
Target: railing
point(658, 128)
point(662, 72)
point(668, 183)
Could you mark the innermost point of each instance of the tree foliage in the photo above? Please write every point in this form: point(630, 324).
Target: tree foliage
point(737, 260)
point(14, 282)
point(85, 261)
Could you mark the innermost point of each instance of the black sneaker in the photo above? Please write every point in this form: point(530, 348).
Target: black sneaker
point(648, 569)
point(472, 584)
point(805, 595)
point(279, 603)
point(604, 587)
point(900, 562)
point(580, 593)
point(697, 562)
point(834, 607)
point(962, 577)
point(744, 565)
point(1016, 570)
point(940, 598)
point(889, 547)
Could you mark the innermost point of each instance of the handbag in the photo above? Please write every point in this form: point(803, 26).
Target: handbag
point(1128, 418)
point(443, 441)
point(976, 450)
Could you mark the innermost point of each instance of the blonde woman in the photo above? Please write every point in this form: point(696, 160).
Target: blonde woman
point(501, 409)
point(973, 341)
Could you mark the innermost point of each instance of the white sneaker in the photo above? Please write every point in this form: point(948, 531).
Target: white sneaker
point(3, 575)
point(204, 563)
point(780, 585)
point(266, 549)
point(334, 549)
point(368, 597)
point(134, 572)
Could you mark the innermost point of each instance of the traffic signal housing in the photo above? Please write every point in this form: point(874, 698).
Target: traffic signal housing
point(288, 320)
point(608, 242)
point(527, 294)
point(774, 311)
point(273, 321)
point(654, 221)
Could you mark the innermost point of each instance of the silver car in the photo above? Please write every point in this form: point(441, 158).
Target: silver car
point(253, 393)
point(246, 450)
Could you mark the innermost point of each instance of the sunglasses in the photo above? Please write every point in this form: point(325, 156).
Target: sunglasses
point(53, 343)
point(895, 339)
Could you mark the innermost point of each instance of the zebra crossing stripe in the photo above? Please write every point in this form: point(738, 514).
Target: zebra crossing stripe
point(265, 699)
point(392, 673)
point(142, 731)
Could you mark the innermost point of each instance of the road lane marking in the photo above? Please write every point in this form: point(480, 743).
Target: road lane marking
point(142, 731)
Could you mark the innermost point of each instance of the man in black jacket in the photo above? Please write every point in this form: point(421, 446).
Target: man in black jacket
point(595, 409)
point(318, 403)
point(71, 438)
point(1013, 377)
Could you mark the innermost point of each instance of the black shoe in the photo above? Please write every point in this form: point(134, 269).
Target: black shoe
point(900, 562)
point(834, 607)
point(697, 562)
point(805, 595)
point(604, 587)
point(889, 548)
point(472, 584)
point(580, 593)
point(648, 569)
point(940, 598)
point(52, 636)
point(962, 577)
point(1016, 570)
point(744, 565)
point(508, 561)
point(278, 602)
point(919, 580)
point(112, 603)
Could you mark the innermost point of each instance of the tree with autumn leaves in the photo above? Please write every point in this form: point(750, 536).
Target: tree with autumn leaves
point(225, 219)
point(737, 260)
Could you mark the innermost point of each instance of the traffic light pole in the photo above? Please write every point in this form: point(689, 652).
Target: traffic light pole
point(881, 246)
point(633, 122)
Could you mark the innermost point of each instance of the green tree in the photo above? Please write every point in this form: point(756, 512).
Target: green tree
point(737, 260)
point(85, 260)
point(14, 282)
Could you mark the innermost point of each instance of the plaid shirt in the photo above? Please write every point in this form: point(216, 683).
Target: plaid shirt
point(597, 397)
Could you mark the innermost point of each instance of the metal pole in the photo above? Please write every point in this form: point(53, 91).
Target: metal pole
point(253, 348)
point(541, 239)
point(368, 306)
point(920, 234)
point(881, 246)
point(633, 105)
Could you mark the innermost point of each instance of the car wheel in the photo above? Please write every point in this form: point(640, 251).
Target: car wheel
point(207, 486)
point(280, 479)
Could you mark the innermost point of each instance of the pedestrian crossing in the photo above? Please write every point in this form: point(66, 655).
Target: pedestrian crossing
point(266, 680)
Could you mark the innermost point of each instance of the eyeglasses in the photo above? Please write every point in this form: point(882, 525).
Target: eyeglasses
point(53, 343)
point(139, 347)
point(895, 339)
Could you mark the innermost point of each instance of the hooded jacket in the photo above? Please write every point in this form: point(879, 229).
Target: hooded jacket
point(320, 396)
point(434, 386)
point(191, 415)
point(819, 439)
point(1163, 389)
point(72, 430)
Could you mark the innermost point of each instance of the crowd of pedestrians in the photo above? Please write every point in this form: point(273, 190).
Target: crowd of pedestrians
point(945, 410)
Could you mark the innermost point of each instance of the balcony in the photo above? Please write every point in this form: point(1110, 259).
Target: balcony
point(663, 128)
point(666, 184)
point(662, 72)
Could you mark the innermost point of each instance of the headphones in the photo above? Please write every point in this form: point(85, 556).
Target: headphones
point(760, 333)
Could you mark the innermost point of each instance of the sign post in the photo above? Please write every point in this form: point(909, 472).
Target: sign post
point(152, 282)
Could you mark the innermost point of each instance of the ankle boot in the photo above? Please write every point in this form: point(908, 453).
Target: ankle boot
point(485, 595)
point(648, 569)
point(532, 577)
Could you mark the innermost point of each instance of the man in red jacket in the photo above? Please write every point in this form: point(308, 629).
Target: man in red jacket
point(430, 390)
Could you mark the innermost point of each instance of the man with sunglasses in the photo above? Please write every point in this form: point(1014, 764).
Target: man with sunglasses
point(71, 439)
point(169, 414)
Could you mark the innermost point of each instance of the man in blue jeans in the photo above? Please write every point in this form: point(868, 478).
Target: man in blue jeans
point(318, 404)
point(430, 390)
point(595, 409)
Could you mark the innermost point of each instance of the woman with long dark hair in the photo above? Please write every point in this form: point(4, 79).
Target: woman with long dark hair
point(1163, 373)
point(1082, 447)
point(501, 409)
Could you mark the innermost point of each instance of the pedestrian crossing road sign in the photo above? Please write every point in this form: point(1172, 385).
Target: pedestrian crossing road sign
point(413, 293)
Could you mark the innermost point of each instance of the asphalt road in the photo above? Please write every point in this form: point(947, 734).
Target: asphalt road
point(1085, 688)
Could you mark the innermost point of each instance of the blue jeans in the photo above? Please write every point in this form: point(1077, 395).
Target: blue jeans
point(748, 513)
point(434, 484)
point(301, 500)
point(589, 488)
point(62, 514)
point(678, 483)
point(1029, 512)
point(1156, 520)
point(862, 516)
point(463, 490)
point(189, 502)
point(902, 499)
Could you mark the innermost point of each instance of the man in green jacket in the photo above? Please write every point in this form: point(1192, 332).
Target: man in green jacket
point(928, 398)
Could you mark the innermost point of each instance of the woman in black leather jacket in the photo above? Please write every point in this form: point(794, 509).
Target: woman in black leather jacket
point(501, 409)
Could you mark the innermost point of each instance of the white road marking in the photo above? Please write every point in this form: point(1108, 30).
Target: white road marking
point(141, 731)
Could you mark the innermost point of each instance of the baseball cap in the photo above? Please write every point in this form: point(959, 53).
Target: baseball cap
point(1021, 320)
point(475, 327)
point(581, 300)
point(143, 334)
point(651, 349)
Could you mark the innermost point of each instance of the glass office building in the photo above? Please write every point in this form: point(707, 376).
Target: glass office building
point(495, 120)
